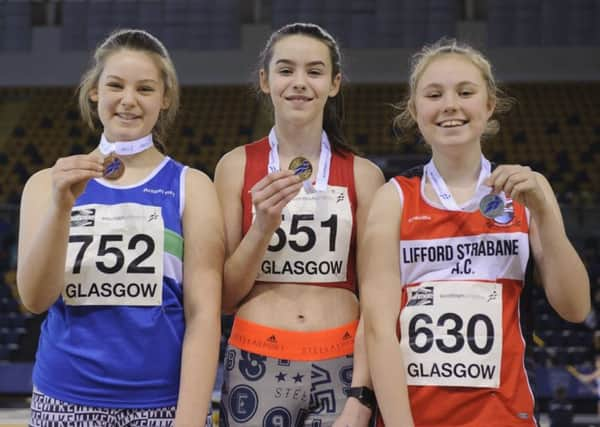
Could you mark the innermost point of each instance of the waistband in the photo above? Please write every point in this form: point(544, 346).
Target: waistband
point(293, 345)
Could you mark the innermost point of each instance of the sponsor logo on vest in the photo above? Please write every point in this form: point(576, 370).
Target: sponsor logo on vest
point(421, 296)
point(419, 218)
point(83, 217)
point(162, 191)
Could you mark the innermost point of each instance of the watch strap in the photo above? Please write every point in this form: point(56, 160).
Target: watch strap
point(364, 395)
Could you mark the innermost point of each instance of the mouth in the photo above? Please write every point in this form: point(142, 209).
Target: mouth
point(298, 98)
point(127, 116)
point(452, 123)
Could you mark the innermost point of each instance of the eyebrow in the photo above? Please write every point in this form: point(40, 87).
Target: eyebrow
point(111, 76)
point(464, 82)
point(290, 62)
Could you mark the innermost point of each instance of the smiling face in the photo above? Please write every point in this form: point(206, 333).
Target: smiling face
point(129, 95)
point(451, 104)
point(299, 80)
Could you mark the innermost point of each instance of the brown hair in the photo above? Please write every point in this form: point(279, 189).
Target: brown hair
point(333, 114)
point(141, 41)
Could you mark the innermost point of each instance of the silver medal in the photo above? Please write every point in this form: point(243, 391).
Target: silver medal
point(491, 206)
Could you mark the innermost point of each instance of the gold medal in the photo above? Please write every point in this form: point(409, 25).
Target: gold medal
point(301, 167)
point(113, 167)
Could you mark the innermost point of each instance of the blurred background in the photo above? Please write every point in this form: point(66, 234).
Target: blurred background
point(546, 54)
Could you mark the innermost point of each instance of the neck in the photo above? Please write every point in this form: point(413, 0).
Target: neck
point(460, 168)
point(299, 141)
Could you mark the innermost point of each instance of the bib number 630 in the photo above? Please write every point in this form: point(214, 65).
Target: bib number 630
point(455, 335)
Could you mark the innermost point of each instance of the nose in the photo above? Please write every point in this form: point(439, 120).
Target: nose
point(128, 98)
point(450, 102)
point(299, 81)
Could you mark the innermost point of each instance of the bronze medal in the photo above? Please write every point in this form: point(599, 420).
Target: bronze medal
point(301, 167)
point(113, 167)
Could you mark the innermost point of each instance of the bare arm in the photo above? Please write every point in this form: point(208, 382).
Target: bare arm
point(562, 272)
point(381, 291)
point(368, 178)
point(269, 195)
point(44, 224)
point(204, 251)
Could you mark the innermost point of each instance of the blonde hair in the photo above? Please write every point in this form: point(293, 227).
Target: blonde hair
point(135, 40)
point(404, 122)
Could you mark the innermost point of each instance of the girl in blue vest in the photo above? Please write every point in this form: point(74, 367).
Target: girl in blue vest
point(102, 250)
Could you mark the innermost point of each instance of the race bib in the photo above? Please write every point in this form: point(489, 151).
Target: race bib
point(313, 240)
point(115, 255)
point(452, 334)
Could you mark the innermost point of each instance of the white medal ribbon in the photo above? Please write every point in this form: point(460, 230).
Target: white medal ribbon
point(324, 162)
point(446, 198)
point(125, 148)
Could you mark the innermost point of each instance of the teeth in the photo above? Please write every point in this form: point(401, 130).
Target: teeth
point(452, 123)
point(127, 116)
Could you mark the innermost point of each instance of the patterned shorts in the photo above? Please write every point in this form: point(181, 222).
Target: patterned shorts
point(264, 391)
point(49, 412)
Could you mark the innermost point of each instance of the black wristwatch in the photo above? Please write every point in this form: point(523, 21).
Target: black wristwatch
point(364, 395)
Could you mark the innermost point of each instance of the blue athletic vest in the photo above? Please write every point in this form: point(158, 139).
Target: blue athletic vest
point(122, 356)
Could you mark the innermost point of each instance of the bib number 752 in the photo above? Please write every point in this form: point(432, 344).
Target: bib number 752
point(107, 247)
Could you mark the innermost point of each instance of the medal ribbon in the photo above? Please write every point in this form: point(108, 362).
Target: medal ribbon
point(446, 198)
point(125, 148)
point(324, 162)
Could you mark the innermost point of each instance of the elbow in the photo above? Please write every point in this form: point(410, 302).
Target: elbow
point(33, 306)
point(577, 315)
point(31, 303)
point(228, 305)
point(230, 300)
point(228, 310)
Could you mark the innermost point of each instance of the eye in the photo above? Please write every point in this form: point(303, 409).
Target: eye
point(285, 71)
point(466, 92)
point(146, 89)
point(315, 72)
point(114, 85)
point(433, 95)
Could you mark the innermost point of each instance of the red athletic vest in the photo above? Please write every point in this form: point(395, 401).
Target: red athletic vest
point(341, 174)
point(440, 246)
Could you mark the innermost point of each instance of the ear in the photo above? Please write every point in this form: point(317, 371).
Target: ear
point(335, 85)
point(410, 105)
point(166, 103)
point(491, 105)
point(93, 95)
point(264, 81)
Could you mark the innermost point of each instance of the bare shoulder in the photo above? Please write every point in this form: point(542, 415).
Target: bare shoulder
point(39, 183)
point(197, 177)
point(366, 169)
point(387, 197)
point(234, 160)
